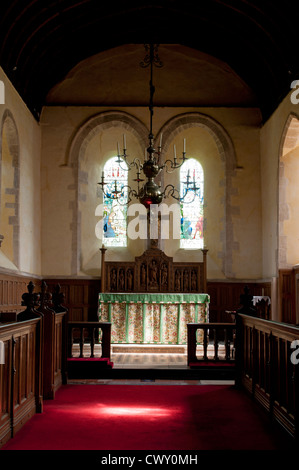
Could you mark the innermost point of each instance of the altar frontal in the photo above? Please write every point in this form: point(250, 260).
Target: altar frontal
point(152, 318)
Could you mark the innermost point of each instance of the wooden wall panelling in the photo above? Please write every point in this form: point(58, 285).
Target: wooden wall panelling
point(81, 297)
point(287, 295)
point(265, 369)
point(20, 389)
point(25, 384)
point(225, 296)
point(11, 289)
point(5, 389)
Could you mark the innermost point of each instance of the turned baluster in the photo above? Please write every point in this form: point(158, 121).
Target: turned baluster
point(227, 345)
point(92, 341)
point(70, 342)
point(215, 345)
point(81, 341)
point(205, 344)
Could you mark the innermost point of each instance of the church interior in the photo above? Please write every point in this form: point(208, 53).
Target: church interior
point(108, 112)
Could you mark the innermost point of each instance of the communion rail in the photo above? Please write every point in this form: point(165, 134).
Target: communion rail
point(217, 330)
point(91, 366)
point(92, 328)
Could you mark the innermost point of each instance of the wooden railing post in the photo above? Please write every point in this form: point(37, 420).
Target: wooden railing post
point(103, 273)
point(227, 344)
point(216, 358)
point(106, 340)
point(92, 327)
point(191, 346)
point(239, 350)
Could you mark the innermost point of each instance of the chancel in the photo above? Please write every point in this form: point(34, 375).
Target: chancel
point(149, 214)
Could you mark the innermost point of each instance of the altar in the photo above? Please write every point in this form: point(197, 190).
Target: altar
point(154, 318)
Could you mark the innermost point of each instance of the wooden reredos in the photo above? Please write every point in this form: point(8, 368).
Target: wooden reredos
point(154, 271)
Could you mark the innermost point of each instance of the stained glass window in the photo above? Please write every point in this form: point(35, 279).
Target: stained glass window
point(115, 213)
point(192, 205)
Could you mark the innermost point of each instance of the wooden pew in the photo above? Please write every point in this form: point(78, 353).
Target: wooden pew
point(20, 376)
point(266, 368)
point(34, 358)
point(54, 373)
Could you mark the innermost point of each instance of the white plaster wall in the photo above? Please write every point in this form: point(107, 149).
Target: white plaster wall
point(59, 126)
point(30, 199)
point(271, 148)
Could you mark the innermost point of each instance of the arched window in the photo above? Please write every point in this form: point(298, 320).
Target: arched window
point(115, 213)
point(192, 205)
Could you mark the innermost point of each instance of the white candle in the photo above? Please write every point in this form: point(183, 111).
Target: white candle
point(184, 145)
point(161, 139)
point(174, 151)
point(125, 143)
point(118, 152)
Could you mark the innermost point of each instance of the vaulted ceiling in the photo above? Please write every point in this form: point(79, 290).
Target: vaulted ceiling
point(42, 41)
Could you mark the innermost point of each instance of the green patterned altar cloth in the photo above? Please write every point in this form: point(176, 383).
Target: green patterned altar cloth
point(153, 318)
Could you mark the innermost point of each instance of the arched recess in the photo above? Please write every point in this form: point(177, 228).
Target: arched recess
point(288, 197)
point(228, 157)
point(75, 155)
point(10, 185)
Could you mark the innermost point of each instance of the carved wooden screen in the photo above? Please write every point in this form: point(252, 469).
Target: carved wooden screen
point(155, 272)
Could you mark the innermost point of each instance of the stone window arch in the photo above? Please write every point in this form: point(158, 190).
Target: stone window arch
point(288, 213)
point(115, 212)
point(10, 186)
point(75, 155)
point(192, 206)
point(226, 150)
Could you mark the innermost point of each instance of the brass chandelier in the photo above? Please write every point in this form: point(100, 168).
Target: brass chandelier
point(151, 192)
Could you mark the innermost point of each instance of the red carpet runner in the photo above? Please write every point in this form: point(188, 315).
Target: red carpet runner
point(148, 417)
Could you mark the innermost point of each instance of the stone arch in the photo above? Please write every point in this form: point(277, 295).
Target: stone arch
point(288, 142)
point(75, 153)
point(8, 125)
point(227, 154)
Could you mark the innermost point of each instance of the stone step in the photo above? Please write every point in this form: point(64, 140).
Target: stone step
point(148, 349)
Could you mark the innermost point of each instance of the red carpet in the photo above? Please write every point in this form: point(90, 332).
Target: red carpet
point(148, 417)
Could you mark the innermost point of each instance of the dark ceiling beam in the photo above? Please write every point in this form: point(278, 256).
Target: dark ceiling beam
point(41, 40)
